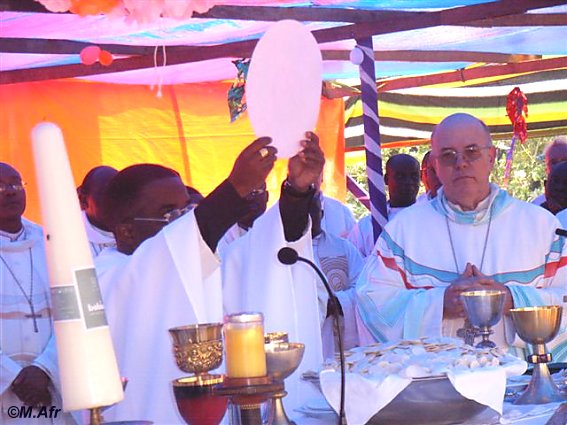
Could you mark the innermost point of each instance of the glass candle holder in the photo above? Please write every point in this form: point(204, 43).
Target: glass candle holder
point(244, 345)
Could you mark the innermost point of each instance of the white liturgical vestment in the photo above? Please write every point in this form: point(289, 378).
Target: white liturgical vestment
point(23, 262)
point(427, 246)
point(98, 238)
point(254, 280)
point(171, 279)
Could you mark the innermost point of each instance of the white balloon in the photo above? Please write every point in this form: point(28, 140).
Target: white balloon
point(283, 88)
point(356, 56)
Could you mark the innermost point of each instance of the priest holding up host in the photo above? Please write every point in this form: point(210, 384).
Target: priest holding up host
point(164, 272)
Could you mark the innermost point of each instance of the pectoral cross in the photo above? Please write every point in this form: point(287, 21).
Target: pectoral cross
point(33, 315)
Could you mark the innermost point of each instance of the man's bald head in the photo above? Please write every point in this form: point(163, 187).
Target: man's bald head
point(91, 193)
point(464, 157)
point(454, 124)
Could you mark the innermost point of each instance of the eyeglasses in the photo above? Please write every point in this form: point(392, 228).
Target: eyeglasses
point(17, 187)
point(169, 216)
point(449, 157)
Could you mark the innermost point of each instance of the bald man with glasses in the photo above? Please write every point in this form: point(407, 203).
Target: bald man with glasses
point(473, 235)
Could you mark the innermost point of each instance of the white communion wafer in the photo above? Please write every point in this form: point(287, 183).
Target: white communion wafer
point(283, 87)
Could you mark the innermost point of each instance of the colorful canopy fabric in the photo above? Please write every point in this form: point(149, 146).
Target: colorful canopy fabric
point(408, 116)
point(540, 40)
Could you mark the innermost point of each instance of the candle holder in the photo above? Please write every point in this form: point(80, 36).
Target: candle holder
point(537, 326)
point(484, 310)
point(282, 359)
point(198, 350)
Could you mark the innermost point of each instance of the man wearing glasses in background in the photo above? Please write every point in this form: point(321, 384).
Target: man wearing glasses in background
point(473, 235)
point(164, 272)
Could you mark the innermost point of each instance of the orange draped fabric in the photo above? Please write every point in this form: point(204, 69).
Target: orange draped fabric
point(187, 129)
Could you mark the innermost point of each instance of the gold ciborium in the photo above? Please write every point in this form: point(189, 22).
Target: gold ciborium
point(537, 326)
point(484, 310)
point(198, 349)
point(282, 359)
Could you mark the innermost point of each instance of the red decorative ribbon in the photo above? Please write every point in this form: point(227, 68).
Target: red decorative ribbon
point(516, 107)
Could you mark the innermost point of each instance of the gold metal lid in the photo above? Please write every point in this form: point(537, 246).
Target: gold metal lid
point(198, 381)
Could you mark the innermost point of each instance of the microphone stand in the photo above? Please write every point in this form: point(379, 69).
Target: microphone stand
point(336, 306)
point(562, 232)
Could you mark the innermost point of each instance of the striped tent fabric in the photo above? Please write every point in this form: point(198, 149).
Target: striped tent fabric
point(407, 116)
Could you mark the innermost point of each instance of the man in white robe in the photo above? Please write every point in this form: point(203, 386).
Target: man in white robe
point(472, 235)
point(29, 374)
point(339, 219)
point(341, 263)
point(402, 179)
point(161, 276)
point(556, 189)
point(555, 152)
point(288, 296)
point(91, 192)
point(429, 179)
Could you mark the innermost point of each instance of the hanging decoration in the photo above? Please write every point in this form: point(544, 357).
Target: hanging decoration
point(139, 11)
point(516, 108)
point(92, 54)
point(236, 102)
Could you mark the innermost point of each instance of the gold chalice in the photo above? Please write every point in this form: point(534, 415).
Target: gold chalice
point(198, 349)
point(537, 326)
point(484, 310)
point(282, 359)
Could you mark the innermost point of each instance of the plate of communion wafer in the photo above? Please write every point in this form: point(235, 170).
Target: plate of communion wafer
point(426, 357)
point(428, 380)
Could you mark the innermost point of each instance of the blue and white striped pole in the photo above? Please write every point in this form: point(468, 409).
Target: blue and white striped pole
point(369, 96)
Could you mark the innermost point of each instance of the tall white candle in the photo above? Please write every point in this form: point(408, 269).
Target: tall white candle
point(87, 364)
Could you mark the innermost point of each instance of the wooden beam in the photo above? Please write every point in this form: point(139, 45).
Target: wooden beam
point(186, 54)
point(433, 56)
point(455, 16)
point(68, 47)
point(523, 20)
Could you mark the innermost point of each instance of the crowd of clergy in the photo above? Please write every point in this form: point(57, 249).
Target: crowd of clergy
point(166, 256)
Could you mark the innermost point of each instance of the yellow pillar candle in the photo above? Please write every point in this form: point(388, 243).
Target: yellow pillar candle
point(87, 364)
point(244, 345)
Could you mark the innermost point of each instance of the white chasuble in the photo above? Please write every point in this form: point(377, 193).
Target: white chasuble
point(168, 281)
point(255, 280)
point(421, 252)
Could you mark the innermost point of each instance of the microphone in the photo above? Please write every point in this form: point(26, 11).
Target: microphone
point(289, 256)
point(559, 232)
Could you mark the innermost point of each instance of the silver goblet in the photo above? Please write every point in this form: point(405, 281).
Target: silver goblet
point(282, 359)
point(484, 310)
point(537, 326)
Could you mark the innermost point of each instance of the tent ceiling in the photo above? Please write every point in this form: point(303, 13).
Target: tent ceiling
point(411, 37)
